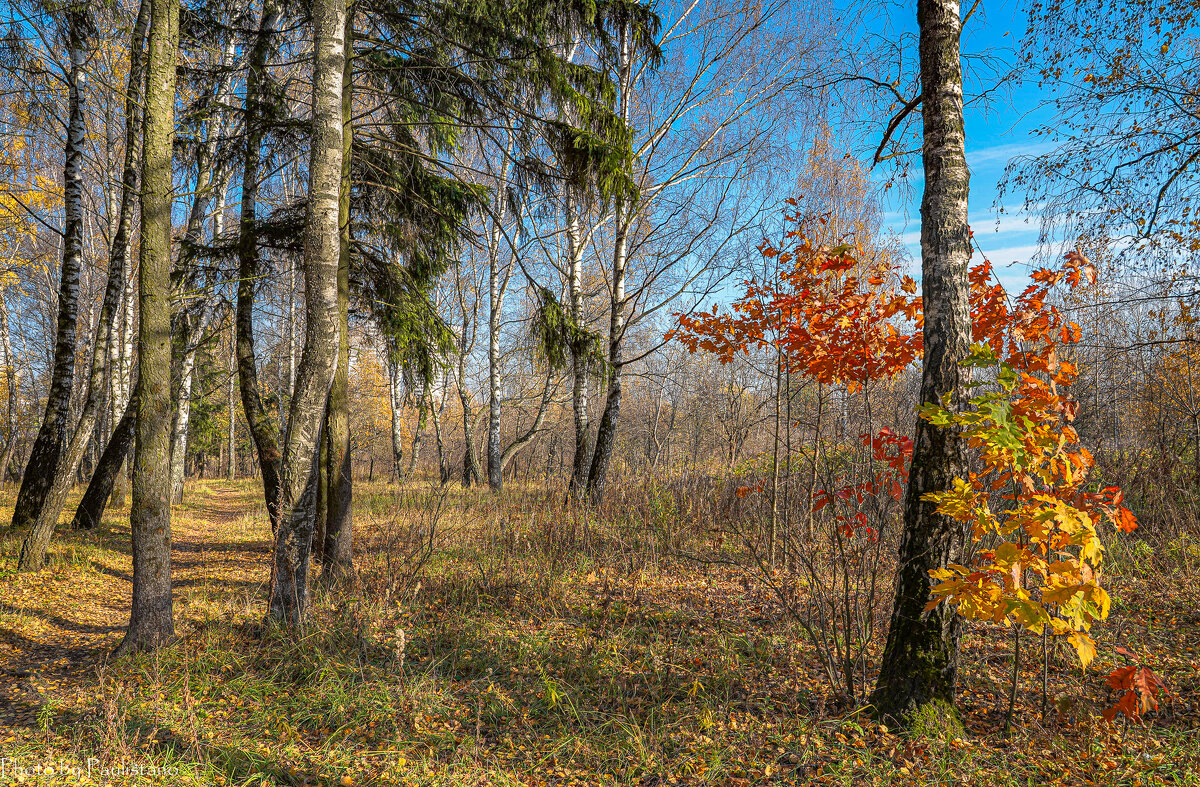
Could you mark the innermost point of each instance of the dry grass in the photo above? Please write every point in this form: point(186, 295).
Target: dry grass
point(510, 641)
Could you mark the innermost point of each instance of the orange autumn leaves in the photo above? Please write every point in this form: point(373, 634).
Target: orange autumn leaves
point(829, 315)
point(1028, 495)
point(845, 322)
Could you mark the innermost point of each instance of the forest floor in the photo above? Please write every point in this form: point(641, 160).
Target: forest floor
point(498, 658)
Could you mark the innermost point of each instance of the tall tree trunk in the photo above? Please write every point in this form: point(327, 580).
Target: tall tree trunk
point(579, 357)
point(99, 490)
point(193, 320)
point(12, 379)
point(337, 546)
point(606, 433)
point(47, 446)
point(231, 404)
point(318, 360)
point(396, 398)
point(151, 621)
point(262, 427)
point(107, 478)
point(496, 286)
point(920, 661)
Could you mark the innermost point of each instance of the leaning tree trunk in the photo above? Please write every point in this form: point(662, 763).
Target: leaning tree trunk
point(151, 622)
point(262, 427)
point(33, 551)
point(322, 252)
point(47, 446)
point(95, 499)
point(108, 474)
point(337, 545)
point(538, 420)
point(920, 660)
point(194, 319)
point(606, 432)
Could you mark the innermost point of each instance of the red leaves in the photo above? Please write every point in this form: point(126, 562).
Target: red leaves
point(1126, 521)
point(830, 316)
point(849, 527)
point(893, 449)
point(742, 491)
point(1139, 687)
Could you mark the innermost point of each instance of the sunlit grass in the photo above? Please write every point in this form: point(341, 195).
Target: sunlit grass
point(496, 641)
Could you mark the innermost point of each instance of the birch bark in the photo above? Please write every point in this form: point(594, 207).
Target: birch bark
point(920, 660)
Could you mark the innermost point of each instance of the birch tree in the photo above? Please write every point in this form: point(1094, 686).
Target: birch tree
point(920, 662)
point(48, 445)
point(337, 549)
point(288, 603)
point(706, 125)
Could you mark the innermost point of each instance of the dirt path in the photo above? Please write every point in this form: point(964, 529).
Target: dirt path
point(57, 625)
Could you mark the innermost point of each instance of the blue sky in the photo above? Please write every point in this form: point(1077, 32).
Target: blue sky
point(997, 132)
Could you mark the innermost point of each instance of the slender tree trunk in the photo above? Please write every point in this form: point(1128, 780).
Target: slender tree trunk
point(12, 378)
point(151, 621)
point(536, 427)
point(99, 490)
point(414, 448)
point(47, 446)
point(396, 397)
point(231, 403)
point(193, 320)
point(318, 360)
point(123, 368)
point(337, 546)
point(262, 427)
point(579, 357)
point(33, 551)
point(470, 467)
point(606, 433)
point(496, 287)
point(920, 661)
point(435, 413)
point(120, 338)
point(183, 405)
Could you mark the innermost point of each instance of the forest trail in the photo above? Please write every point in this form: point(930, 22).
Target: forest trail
point(59, 625)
